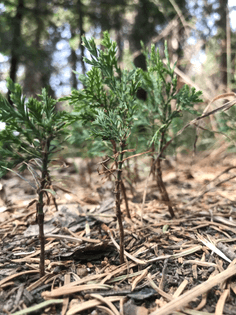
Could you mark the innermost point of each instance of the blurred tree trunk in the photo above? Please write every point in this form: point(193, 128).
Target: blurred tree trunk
point(32, 84)
point(81, 33)
point(38, 66)
point(73, 58)
point(77, 26)
point(16, 42)
point(222, 31)
point(151, 18)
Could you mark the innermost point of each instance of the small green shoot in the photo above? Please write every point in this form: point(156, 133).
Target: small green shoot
point(33, 134)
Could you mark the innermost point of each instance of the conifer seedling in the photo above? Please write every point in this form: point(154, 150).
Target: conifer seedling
point(164, 104)
point(33, 134)
point(106, 106)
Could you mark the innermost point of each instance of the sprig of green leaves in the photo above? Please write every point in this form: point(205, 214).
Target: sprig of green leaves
point(29, 123)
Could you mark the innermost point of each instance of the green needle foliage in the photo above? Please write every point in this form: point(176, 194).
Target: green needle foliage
point(164, 105)
point(33, 134)
point(164, 102)
point(107, 105)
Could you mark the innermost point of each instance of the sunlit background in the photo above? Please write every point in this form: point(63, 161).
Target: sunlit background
point(41, 40)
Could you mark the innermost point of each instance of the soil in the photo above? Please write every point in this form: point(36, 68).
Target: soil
point(180, 265)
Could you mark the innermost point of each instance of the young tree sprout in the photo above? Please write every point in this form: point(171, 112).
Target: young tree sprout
point(163, 105)
point(33, 134)
point(106, 106)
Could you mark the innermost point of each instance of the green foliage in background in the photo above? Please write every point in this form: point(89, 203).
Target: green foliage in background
point(81, 144)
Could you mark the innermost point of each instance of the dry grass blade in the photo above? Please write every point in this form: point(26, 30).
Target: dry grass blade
point(65, 300)
point(187, 297)
point(136, 260)
point(139, 278)
point(167, 296)
point(34, 174)
point(192, 312)
point(218, 97)
point(200, 263)
point(221, 302)
point(84, 280)
point(225, 221)
point(187, 252)
point(107, 302)
point(26, 180)
point(105, 310)
point(124, 277)
point(203, 302)
point(136, 155)
point(90, 304)
point(178, 255)
point(120, 269)
point(213, 248)
point(37, 283)
point(72, 239)
point(38, 307)
point(17, 275)
point(74, 289)
point(30, 260)
point(180, 288)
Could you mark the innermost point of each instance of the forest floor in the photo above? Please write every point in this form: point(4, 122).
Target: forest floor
point(184, 265)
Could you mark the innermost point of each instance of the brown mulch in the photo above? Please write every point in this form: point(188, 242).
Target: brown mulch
point(184, 265)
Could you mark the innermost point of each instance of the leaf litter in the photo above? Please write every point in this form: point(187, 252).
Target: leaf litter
point(184, 265)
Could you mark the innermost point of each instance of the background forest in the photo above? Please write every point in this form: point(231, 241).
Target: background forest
point(41, 44)
point(41, 40)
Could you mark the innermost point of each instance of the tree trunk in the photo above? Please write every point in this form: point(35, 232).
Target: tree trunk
point(73, 58)
point(223, 57)
point(81, 29)
point(16, 49)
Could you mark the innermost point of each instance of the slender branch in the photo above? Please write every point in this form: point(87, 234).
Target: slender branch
point(126, 199)
point(160, 183)
point(118, 210)
point(40, 205)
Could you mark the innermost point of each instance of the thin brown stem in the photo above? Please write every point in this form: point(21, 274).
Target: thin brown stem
point(153, 167)
point(119, 218)
point(40, 214)
point(117, 193)
point(40, 218)
point(136, 173)
point(162, 188)
point(160, 183)
point(126, 199)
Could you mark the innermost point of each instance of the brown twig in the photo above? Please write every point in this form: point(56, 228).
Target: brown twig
point(126, 199)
